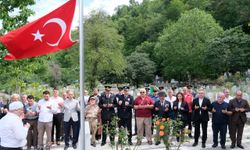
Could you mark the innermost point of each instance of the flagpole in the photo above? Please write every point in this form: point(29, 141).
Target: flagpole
point(81, 49)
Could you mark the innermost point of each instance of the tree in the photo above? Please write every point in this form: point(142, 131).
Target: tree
point(15, 75)
point(103, 46)
point(230, 13)
point(228, 52)
point(182, 45)
point(140, 68)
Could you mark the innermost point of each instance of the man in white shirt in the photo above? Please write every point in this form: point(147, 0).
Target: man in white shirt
point(46, 108)
point(227, 96)
point(57, 117)
point(12, 131)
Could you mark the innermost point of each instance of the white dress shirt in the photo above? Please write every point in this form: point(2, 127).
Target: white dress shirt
point(46, 114)
point(57, 100)
point(171, 101)
point(227, 99)
point(12, 132)
point(200, 102)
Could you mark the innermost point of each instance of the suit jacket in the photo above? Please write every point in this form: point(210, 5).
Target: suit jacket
point(183, 114)
point(200, 114)
point(161, 112)
point(236, 116)
point(123, 110)
point(71, 107)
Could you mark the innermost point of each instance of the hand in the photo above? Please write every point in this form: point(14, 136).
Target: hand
point(166, 109)
point(224, 111)
point(213, 110)
point(110, 105)
point(175, 107)
point(49, 107)
point(182, 108)
point(61, 104)
point(156, 108)
point(204, 108)
point(27, 125)
point(120, 102)
point(242, 109)
point(126, 103)
point(196, 107)
point(237, 109)
point(104, 105)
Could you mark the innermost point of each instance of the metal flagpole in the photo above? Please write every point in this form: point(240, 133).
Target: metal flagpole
point(81, 49)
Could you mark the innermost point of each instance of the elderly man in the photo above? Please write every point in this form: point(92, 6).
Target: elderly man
point(239, 108)
point(200, 107)
point(227, 95)
point(220, 120)
point(12, 131)
point(143, 105)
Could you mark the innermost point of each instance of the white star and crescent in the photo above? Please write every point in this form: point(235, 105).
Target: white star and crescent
point(60, 22)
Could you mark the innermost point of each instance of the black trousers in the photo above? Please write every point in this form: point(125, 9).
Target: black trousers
point(189, 122)
point(222, 128)
point(57, 122)
point(74, 126)
point(126, 123)
point(197, 130)
point(236, 129)
point(6, 148)
point(107, 126)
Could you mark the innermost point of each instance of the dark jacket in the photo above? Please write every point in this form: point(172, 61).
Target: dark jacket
point(107, 113)
point(236, 116)
point(123, 110)
point(200, 114)
point(182, 114)
point(161, 113)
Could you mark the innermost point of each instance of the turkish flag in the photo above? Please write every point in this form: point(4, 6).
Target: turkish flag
point(48, 34)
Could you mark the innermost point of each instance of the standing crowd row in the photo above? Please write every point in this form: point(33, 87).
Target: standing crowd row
point(62, 114)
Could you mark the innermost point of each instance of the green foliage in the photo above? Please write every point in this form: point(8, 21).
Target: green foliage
point(103, 47)
point(182, 45)
point(230, 13)
point(140, 68)
point(229, 52)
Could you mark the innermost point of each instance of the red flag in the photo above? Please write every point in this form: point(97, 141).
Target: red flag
point(48, 34)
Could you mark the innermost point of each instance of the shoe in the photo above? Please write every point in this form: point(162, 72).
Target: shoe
point(39, 148)
point(223, 146)
point(103, 143)
point(47, 148)
point(195, 144)
point(130, 143)
point(66, 147)
point(190, 136)
point(232, 146)
point(215, 145)
point(138, 143)
point(35, 147)
point(28, 148)
point(240, 146)
point(57, 143)
point(74, 146)
point(203, 145)
point(157, 143)
point(150, 142)
point(134, 134)
point(94, 145)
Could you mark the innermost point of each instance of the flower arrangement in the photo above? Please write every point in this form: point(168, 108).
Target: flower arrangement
point(168, 130)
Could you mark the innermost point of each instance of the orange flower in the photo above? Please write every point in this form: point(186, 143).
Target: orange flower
point(162, 127)
point(157, 122)
point(161, 133)
point(163, 119)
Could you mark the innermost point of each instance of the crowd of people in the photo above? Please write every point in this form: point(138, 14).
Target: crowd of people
point(25, 121)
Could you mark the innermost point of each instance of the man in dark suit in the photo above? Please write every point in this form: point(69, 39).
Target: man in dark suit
point(161, 109)
point(201, 105)
point(239, 107)
point(107, 103)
